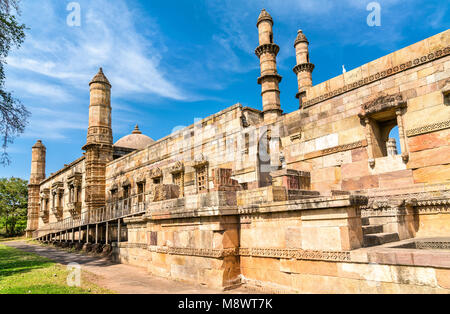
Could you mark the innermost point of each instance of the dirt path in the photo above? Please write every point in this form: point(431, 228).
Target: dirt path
point(121, 278)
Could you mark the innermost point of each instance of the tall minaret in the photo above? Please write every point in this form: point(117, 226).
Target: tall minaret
point(267, 53)
point(36, 176)
point(99, 141)
point(304, 68)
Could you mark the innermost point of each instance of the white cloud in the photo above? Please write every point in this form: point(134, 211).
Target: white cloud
point(107, 37)
point(51, 92)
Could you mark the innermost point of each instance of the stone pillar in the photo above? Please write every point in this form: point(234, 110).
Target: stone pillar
point(87, 234)
point(267, 53)
point(106, 233)
point(304, 68)
point(401, 135)
point(369, 142)
point(37, 174)
point(118, 230)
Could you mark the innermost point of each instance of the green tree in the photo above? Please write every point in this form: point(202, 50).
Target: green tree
point(13, 205)
point(13, 114)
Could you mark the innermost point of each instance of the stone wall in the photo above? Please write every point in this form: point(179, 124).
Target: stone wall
point(61, 179)
point(333, 142)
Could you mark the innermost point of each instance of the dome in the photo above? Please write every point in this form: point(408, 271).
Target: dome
point(135, 140)
point(100, 78)
point(264, 16)
point(301, 38)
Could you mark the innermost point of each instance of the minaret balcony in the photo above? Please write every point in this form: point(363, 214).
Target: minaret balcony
point(308, 67)
point(267, 48)
point(269, 77)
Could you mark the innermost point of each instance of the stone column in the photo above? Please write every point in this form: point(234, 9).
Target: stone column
point(401, 135)
point(106, 233)
point(118, 231)
point(369, 142)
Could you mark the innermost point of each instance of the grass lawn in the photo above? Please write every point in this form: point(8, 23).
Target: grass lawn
point(27, 273)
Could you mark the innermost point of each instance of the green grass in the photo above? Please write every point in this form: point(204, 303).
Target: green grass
point(27, 273)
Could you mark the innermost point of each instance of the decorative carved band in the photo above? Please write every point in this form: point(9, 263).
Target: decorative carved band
point(335, 149)
point(133, 245)
point(342, 148)
point(431, 202)
point(256, 252)
point(216, 253)
point(267, 48)
point(429, 128)
point(433, 245)
point(309, 67)
point(295, 253)
point(380, 75)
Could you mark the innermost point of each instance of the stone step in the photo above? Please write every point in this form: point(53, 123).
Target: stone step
point(371, 229)
point(380, 238)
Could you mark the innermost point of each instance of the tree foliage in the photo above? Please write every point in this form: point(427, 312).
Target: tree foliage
point(13, 205)
point(13, 114)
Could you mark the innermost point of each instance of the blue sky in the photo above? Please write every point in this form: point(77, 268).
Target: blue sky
point(173, 61)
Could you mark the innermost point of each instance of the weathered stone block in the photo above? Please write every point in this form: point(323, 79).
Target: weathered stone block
point(432, 174)
point(163, 192)
point(429, 140)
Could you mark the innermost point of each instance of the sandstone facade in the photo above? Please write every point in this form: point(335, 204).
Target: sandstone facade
point(316, 200)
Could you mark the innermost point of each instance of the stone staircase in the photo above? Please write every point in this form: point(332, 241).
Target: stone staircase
point(374, 235)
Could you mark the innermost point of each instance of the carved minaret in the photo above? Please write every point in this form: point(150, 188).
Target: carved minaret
point(99, 141)
point(304, 68)
point(267, 53)
point(37, 175)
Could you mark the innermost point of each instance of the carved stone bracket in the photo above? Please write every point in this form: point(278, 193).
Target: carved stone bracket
point(155, 173)
point(200, 161)
point(177, 167)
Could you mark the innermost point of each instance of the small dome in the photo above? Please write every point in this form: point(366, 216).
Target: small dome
point(135, 140)
point(100, 78)
point(300, 38)
point(264, 16)
point(38, 144)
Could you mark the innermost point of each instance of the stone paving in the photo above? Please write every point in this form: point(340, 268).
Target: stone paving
point(121, 278)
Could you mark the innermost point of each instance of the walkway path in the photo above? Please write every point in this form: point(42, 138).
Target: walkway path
point(121, 278)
